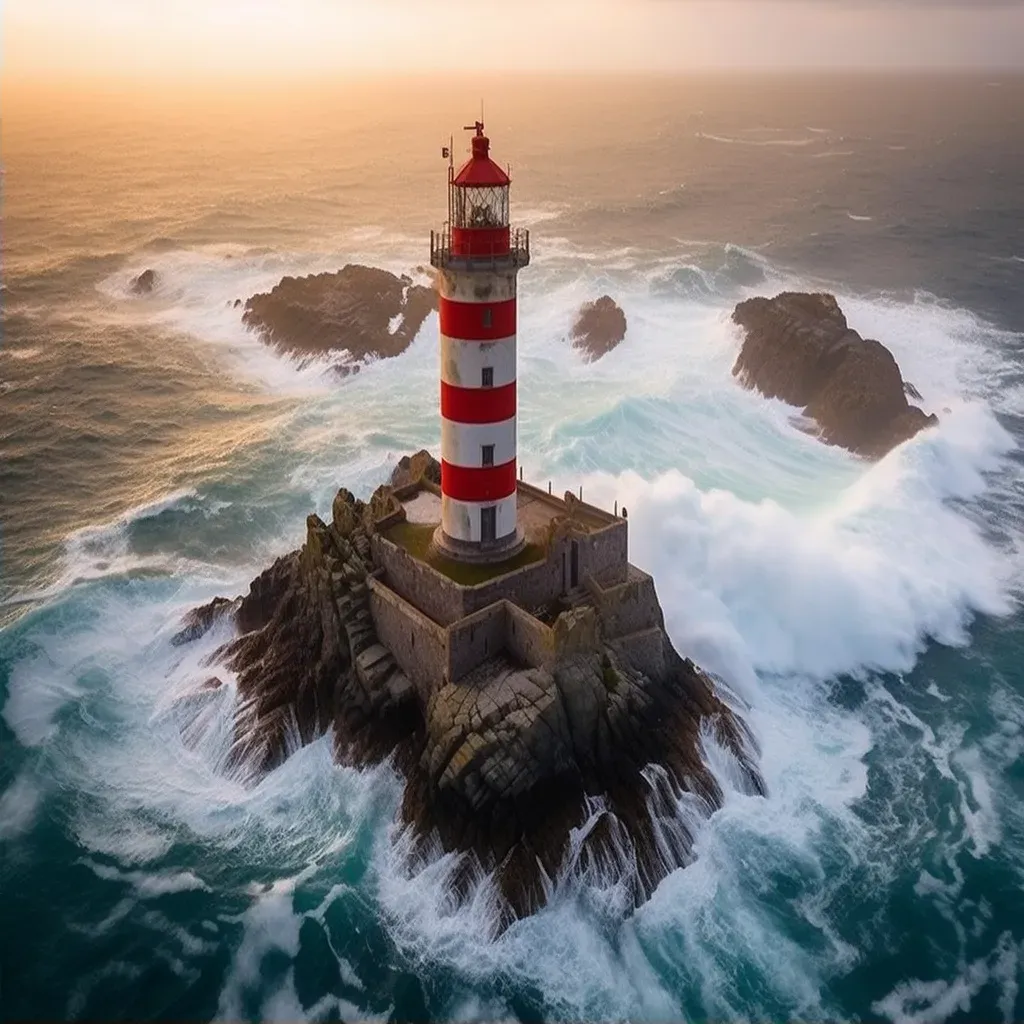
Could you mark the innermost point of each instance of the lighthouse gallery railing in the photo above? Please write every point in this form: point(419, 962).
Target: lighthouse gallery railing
point(516, 255)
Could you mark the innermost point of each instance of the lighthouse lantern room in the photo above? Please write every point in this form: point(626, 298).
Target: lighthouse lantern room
point(477, 256)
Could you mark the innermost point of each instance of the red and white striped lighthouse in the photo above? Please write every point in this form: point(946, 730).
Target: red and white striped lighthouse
point(477, 257)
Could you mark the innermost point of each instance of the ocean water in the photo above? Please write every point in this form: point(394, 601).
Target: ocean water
point(153, 454)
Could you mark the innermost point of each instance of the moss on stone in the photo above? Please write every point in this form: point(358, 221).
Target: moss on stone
point(416, 537)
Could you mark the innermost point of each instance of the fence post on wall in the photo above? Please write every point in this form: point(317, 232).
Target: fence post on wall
point(616, 506)
point(549, 487)
point(581, 492)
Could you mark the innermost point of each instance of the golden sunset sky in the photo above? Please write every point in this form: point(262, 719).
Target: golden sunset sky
point(179, 39)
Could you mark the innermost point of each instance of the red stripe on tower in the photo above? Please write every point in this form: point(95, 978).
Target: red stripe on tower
point(490, 483)
point(477, 321)
point(478, 405)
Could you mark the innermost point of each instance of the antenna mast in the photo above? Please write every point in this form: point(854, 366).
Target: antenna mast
point(451, 177)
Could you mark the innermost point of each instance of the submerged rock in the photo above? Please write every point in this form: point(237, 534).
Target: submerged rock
point(504, 763)
point(799, 347)
point(600, 326)
point(144, 283)
point(363, 312)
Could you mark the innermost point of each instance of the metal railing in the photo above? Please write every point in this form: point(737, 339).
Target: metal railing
point(516, 255)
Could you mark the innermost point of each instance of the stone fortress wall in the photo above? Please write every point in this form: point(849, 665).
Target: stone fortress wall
point(439, 630)
point(418, 644)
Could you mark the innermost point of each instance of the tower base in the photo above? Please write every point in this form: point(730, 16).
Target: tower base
point(479, 553)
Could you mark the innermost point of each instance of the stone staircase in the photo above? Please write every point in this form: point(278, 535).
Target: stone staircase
point(383, 683)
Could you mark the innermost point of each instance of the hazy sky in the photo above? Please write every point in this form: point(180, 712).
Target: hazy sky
point(275, 38)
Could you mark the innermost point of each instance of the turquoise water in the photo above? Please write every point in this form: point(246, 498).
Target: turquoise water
point(154, 454)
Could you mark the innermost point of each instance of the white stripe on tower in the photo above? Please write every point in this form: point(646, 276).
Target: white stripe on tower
point(462, 443)
point(495, 286)
point(461, 519)
point(463, 364)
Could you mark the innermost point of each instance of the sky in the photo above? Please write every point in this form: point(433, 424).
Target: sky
point(267, 39)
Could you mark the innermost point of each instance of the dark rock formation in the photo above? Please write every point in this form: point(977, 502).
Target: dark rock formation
point(144, 283)
point(799, 348)
point(413, 468)
point(201, 620)
point(511, 754)
point(503, 763)
point(600, 326)
point(362, 311)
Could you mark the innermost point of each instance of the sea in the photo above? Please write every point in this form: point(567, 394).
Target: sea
point(867, 616)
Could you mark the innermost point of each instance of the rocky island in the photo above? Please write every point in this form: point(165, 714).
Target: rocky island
point(599, 327)
point(520, 701)
point(144, 283)
point(799, 347)
point(356, 313)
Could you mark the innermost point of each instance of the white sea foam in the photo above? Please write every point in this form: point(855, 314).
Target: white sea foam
point(269, 924)
point(917, 1002)
point(19, 805)
point(20, 354)
point(150, 883)
point(756, 142)
point(104, 550)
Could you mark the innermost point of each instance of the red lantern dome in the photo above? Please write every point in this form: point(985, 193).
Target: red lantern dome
point(480, 169)
point(479, 203)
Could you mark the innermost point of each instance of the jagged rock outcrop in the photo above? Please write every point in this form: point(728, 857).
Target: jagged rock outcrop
point(513, 754)
point(799, 347)
point(600, 326)
point(413, 468)
point(502, 764)
point(360, 312)
point(144, 283)
point(200, 620)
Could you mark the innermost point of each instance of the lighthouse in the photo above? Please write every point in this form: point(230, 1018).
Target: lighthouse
point(477, 256)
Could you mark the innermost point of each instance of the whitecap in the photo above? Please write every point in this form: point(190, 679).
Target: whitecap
point(755, 142)
point(19, 805)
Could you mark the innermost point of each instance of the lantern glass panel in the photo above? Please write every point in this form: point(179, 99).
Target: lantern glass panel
point(480, 207)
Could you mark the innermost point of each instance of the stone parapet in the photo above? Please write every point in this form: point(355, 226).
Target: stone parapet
point(627, 607)
point(431, 653)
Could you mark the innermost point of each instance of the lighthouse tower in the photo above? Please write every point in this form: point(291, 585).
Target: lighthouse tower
point(477, 257)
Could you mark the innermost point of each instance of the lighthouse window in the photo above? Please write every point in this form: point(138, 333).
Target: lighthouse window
point(487, 455)
point(487, 316)
point(487, 377)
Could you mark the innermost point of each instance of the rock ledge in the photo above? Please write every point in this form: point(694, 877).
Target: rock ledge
point(358, 312)
point(799, 347)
